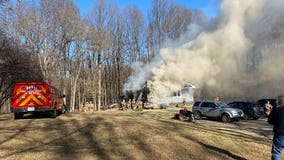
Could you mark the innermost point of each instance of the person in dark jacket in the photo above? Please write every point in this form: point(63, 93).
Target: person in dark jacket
point(276, 118)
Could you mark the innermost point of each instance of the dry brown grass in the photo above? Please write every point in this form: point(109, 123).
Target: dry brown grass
point(123, 135)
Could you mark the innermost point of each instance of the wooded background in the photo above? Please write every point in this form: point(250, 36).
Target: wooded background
point(87, 57)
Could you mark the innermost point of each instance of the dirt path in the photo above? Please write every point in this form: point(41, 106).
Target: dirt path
point(258, 127)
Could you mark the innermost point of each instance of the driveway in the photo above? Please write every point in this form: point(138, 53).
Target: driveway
point(258, 127)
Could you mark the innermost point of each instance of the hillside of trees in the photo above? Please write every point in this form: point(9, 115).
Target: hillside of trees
point(87, 57)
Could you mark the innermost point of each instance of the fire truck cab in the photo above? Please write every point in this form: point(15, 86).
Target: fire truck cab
point(30, 97)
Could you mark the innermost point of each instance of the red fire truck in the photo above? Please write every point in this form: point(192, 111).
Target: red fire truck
point(29, 97)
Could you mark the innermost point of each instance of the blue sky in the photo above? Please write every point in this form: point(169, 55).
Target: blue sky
point(210, 7)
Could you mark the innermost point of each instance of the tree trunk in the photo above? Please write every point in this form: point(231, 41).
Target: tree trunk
point(73, 95)
point(99, 87)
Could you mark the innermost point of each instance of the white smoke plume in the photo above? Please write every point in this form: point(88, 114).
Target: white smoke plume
point(241, 58)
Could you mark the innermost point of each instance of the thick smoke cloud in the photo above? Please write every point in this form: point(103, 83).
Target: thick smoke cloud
point(242, 58)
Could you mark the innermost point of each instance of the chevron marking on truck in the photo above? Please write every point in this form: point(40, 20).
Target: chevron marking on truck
point(43, 90)
point(18, 90)
point(19, 98)
point(42, 97)
point(31, 97)
point(36, 97)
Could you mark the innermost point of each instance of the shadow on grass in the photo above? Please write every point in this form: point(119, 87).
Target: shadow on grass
point(210, 147)
point(69, 137)
point(15, 131)
point(70, 143)
point(222, 151)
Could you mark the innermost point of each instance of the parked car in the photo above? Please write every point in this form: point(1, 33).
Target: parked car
point(164, 106)
point(251, 110)
point(216, 109)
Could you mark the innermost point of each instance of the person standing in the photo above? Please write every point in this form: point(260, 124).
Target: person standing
point(123, 103)
point(276, 118)
point(140, 104)
point(268, 108)
point(129, 104)
point(217, 99)
point(133, 103)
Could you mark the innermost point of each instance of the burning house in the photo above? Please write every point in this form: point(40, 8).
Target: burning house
point(186, 93)
point(237, 54)
point(175, 98)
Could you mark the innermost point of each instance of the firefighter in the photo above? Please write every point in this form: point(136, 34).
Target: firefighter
point(91, 107)
point(86, 107)
point(132, 104)
point(119, 106)
point(140, 104)
point(123, 103)
point(129, 104)
point(217, 99)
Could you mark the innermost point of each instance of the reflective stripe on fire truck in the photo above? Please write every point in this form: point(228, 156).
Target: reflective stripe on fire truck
point(42, 97)
point(18, 90)
point(43, 90)
point(29, 98)
point(18, 99)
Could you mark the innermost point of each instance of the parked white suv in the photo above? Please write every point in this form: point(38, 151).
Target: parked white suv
point(216, 109)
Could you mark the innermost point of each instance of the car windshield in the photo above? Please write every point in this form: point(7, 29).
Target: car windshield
point(223, 105)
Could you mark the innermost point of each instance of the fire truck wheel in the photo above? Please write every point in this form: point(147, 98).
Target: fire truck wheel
point(18, 115)
point(53, 113)
point(63, 109)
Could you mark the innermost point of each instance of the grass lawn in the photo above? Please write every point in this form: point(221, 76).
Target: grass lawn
point(123, 135)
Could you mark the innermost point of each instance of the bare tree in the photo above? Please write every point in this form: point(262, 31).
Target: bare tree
point(157, 17)
point(199, 17)
point(68, 41)
point(118, 42)
point(27, 27)
point(99, 40)
point(89, 60)
point(51, 31)
point(167, 20)
point(15, 62)
point(75, 69)
point(134, 21)
point(178, 20)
